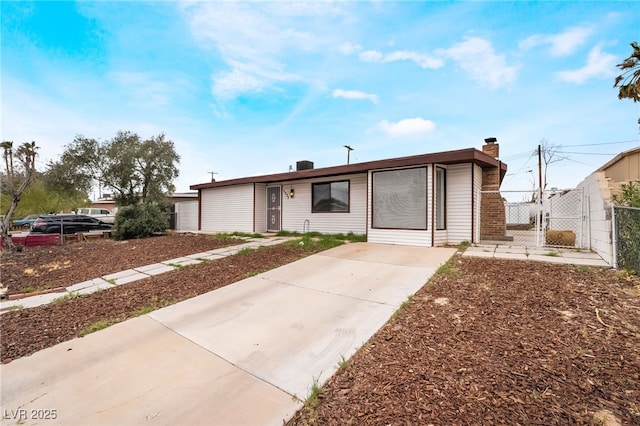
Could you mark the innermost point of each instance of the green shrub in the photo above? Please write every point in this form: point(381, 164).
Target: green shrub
point(629, 194)
point(140, 221)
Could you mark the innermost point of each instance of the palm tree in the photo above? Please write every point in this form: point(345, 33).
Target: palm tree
point(629, 81)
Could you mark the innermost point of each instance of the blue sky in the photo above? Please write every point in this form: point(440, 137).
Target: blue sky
point(249, 88)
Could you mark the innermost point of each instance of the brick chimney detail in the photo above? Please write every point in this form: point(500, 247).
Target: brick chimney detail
point(491, 147)
point(493, 221)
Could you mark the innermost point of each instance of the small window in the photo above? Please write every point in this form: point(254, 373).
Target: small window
point(441, 194)
point(330, 197)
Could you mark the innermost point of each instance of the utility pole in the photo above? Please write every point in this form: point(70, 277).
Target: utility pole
point(540, 169)
point(349, 149)
point(212, 173)
point(539, 213)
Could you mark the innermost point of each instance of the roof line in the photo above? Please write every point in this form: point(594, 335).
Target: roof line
point(468, 155)
point(618, 158)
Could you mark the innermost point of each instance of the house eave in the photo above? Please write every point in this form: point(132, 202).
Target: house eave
point(469, 155)
point(617, 158)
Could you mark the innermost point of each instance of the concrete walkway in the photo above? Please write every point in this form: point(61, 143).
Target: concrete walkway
point(245, 354)
point(542, 254)
point(135, 274)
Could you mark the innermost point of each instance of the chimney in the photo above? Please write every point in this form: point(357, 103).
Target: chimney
point(304, 165)
point(491, 147)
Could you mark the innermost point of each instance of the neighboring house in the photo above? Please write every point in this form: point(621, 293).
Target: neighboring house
point(598, 189)
point(424, 200)
point(104, 203)
point(184, 210)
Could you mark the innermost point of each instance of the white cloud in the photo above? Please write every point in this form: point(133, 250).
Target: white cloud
point(599, 64)
point(407, 127)
point(423, 61)
point(478, 59)
point(227, 85)
point(254, 39)
point(144, 89)
point(349, 48)
point(420, 59)
point(371, 56)
point(561, 44)
point(354, 94)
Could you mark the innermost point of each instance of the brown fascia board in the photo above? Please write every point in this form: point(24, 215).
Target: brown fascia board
point(469, 155)
point(617, 158)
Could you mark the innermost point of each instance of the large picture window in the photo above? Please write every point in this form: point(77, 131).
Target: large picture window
point(400, 199)
point(330, 197)
point(441, 193)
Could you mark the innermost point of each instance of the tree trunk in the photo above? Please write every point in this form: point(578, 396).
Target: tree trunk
point(6, 221)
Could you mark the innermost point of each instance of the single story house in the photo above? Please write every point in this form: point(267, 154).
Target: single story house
point(423, 200)
point(598, 189)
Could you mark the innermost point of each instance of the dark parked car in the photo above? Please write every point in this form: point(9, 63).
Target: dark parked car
point(69, 223)
point(25, 222)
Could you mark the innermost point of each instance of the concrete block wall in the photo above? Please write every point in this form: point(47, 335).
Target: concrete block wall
point(598, 196)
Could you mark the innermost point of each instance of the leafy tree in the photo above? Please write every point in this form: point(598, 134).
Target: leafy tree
point(20, 168)
point(38, 198)
point(628, 82)
point(140, 220)
point(64, 180)
point(133, 169)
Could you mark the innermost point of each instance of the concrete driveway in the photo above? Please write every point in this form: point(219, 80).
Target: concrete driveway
point(245, 354)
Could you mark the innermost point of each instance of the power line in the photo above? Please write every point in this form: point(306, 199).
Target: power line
point(584, 153)
point(601, 143)
point(533, 152)
point(576, 161)
point(520, 155)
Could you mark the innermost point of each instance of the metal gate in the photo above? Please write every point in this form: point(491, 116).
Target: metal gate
point(557, 218)
point(274, 211)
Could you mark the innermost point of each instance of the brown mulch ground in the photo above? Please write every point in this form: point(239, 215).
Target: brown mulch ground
point(497, 342)
point(487, 341)
point(26, 331)
point(41, 268)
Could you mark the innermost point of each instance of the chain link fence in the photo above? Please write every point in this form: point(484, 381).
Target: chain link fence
point(626, 238)
point(521, 217)
point(563, 218)
point(557, 219)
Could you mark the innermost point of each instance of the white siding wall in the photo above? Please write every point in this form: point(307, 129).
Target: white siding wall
point(228, 209)
point(401, 236)
point(459, 220)
point(297, 210)
point(261, 208)
point(597, 196)
point(187, 216)
point(477, 189)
